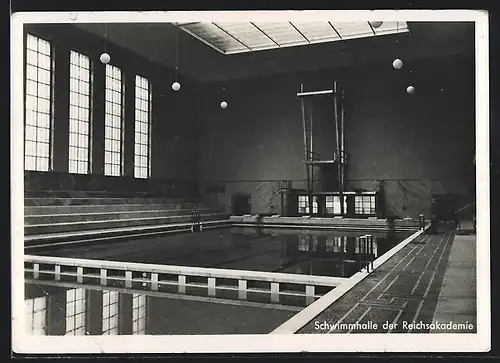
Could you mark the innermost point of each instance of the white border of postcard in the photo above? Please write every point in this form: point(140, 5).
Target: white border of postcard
point(274, 343)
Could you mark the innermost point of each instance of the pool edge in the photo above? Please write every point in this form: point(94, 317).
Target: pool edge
point(299, 320)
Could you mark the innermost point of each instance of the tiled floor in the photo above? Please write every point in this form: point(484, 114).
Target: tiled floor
point(457, 300)
point(399, 297)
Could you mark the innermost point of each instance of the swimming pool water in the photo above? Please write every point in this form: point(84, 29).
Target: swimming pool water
point(62, 308)
point(325, 253)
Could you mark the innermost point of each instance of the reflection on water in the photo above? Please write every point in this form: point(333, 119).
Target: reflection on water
point(110, 312)
point(36, 315)
point(55, 310)
point(75, 312)
point(81, 311)
point(339, 256)
point(70, 311)
point(311, 252)
point(139, 314)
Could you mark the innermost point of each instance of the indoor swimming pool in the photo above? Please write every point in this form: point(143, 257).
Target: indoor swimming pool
point(305, 252)
point(235, 280)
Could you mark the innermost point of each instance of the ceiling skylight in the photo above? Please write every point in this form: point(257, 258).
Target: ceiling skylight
point(241, 37)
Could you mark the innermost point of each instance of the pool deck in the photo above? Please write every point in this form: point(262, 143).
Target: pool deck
point(432, 279)
point(457, 300)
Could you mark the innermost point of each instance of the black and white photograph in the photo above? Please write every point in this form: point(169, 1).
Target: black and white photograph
point(250, 182)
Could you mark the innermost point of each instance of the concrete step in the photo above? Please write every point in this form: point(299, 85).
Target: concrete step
point(111, 208)
point(109, 215)
point(94, 194)
point(85, 193)
point(91, 225)
point(56, 201)
point(83, 209)
point(63, 238)
point(323, 221)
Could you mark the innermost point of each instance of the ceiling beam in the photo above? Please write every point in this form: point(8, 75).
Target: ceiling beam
point(371, 27)
point(335, 30)
point(298, 31)
point(201, 39)
point(267, 35)
point(232, 36)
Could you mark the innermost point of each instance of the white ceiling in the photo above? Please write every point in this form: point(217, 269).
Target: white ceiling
point(166, 44)
point(241, 37)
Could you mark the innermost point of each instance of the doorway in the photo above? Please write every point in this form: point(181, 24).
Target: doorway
point(240, 204)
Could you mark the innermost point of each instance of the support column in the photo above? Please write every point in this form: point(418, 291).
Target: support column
point(56, 314)
point(338, 144)
point(98, 117)
point(94, 312)
point(311, 157)
point(125, 326)
point(129, 126)
point(60, 146)
point(306, 151)
point(380, 199)
point(342, 142)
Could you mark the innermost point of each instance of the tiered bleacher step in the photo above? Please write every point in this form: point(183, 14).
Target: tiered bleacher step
point(58, 216)
point(156, 211)
point(63, 198)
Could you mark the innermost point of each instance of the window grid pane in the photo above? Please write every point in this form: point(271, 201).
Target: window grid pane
point(113, 122)
point(364, 204)
point(38, 104)
point(75, 312)
point(304, 204)
point(142, 125)
point(139, 311)
point(336, 244)
point(332, 204)
point(79, 113)
point(303, 243)
point(110, 306)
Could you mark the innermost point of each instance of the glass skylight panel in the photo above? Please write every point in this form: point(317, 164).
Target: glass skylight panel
point(352, 29)
point(282, 33)
point(391, 27)
point(317, 31)
point(248, 34)
point(240, 37)
point(214, 36)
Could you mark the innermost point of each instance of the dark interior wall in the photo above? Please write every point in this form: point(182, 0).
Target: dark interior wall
point(421, 144)
point(429, 134)
point(173, 151)
point(424, 141)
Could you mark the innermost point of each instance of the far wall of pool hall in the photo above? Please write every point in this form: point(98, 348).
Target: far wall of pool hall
point(399, 155)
